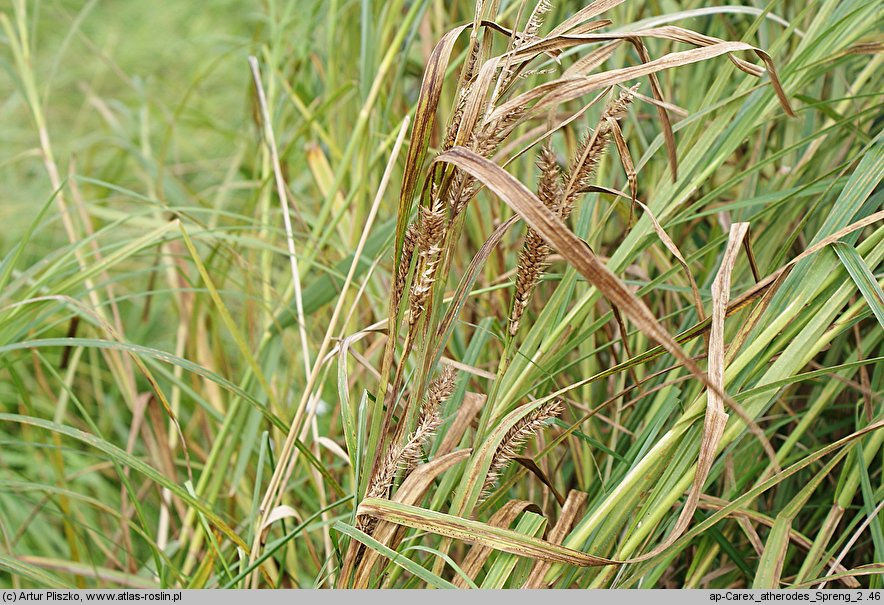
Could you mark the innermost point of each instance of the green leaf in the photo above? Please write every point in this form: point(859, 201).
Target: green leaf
point(397, 558)
point(531, 524)
point(32, 572)
point(862, 276)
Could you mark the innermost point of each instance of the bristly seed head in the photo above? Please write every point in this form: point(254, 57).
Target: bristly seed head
point(514, 440)
point(429, 417)
point(532, 263)
point(535, 250)
point(408, 455)
point(454, 121)
point(484, 142)
point(432, 226)
point(592, 149)
point(439, 391)
point(549, 187)
point(429, 240)
point(409, 244)
point(535, 21)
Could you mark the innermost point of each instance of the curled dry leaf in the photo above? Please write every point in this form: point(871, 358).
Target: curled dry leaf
point(572, 248)
point(334, 448)
point(283, 511)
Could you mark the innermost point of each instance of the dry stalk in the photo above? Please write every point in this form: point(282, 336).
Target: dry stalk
point(515, 439)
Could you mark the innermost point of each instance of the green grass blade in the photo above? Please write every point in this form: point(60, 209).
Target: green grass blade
point(863, 278)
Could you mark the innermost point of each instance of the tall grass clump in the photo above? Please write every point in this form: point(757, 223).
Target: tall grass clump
point(569, 295)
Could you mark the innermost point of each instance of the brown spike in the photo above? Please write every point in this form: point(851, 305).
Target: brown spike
point(515, 439)
point(532, 257)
